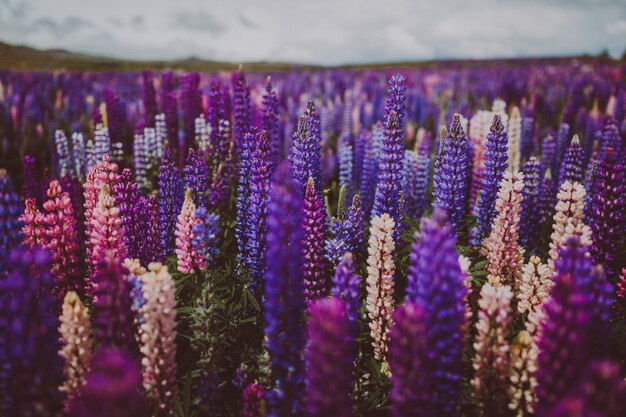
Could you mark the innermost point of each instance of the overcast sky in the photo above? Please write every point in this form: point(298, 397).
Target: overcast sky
point(317, 31)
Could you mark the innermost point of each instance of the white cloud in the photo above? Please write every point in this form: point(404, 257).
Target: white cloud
point(321, 31)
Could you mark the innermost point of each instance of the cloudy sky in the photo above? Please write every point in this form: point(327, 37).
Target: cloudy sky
point(317, 31)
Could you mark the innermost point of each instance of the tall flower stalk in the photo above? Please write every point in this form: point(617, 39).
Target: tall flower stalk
point(313, 224)
point(305, 156)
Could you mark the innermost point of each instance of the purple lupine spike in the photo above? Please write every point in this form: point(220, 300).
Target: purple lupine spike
point(306, 152)
point(260, 178)
point(411, 393)
point(11, 209)
point(531, 214)
point(148, 97)
point(607, 213)
point(409, 178)
point(547, 199)
point(328, 386)
point(347, 234)
point(610, 138)
point(574, 330)
point(347, 287)
point(388, 196)
point(29, 339)
point(113, 387)
point(526, 140)
point(32, 183)
point(196, 177)
point(216, 114)
point(169, 203)
point(170, 110)
point(246, 147)
point(422, 179)
point(242, 109)
point(269, 120)
point(345, 155)
point(206, 235)
point(313, 224)
point(112, 305)
point(284, 303)
point(360, 143)
point(572, 164)
point(191, 103)
point(548, 154)
point(453, 179)
point(562, 139)
point(496, 162)
point(600, 393)
point(370, 168)
point(435, 283)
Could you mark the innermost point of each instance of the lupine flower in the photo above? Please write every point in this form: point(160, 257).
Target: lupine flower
point(157, 335)
point(568, 219)
point(33, 228)
point(196, 177)
point(253, 401)
point(104, 172)
point(170, 109)
point(113, 388)
point(521, 379)
point(101, 145)
point(526, 138)
point(260, 177)
point(380, 283)
point(530, 218)
point(189, 260)
point(135, 271)
point(345, 153)
point(387, 199)
point(246, 145)
point(313, 225)
point(574, 329)
point(610, 138)
point(421, 181)
point(191, 103)
point(347, 287)
point(504, 253)
point(205, 235)
point(436, 284)
point(548, 154)
point(242, 110)
point(74, 189)
point(600, 393)
point(411, 394)
point(283, 303)
point(347, 233)
point(452, 175)
point(170, 202)
point(572, 164)
point(491, 360)
point(216, 115)
point(28, 336)
point(61, 239)
point(140, 160)
point(514, 127)
point(10, 223)
point(65, 167)
point(533, 291)
point(112, 306)
point(107, 237)
point(328, 386)
point(77, 346)
point(369, 177)
point(114, 115)
point(269, 120)
point(547, 199)
point(305, 155)
point(608, 209)
point(495, 165)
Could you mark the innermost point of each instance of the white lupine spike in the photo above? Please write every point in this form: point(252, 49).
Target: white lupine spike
point(568, 219)
point(380, 270)
point(77, 345)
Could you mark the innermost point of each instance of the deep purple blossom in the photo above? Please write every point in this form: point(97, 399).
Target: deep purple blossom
point(190, 101)
point(305, 154)
point(169, 203)
point(269, 120)
point(435, 283)
point(11, 209)
point(572, 164)
point(347, 287)
point(313, 225)
point(246, 146)
point(242, 109)
point(496, 162)
point(328, 386)
point(148, 98)
point(526, 138)
point(196, 177)
point(206, 235)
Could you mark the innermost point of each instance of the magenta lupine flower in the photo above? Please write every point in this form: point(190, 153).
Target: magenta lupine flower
point(112, 306)
point(601, 393)
point(574, 330)
point(253, 401)
point(608, 210)
point(410, 393)
point(313, 224)
point(328, 386)
point(113, 388)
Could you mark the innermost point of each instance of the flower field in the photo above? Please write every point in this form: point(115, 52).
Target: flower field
point(438, 241)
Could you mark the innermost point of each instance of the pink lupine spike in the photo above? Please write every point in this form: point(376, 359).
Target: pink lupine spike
point(188, 258)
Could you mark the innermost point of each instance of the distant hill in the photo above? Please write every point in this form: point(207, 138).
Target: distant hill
point(24, 58)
